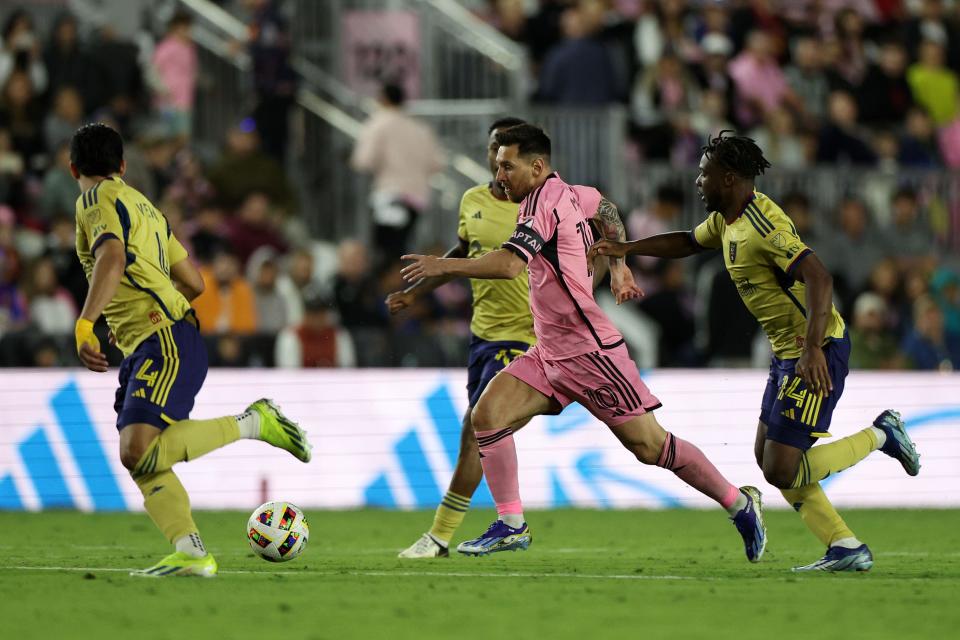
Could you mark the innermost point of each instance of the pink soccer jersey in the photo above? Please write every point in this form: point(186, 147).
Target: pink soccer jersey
point(552, 236)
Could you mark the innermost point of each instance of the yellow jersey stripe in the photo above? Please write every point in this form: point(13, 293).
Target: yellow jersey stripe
point(164, 369)
point(175, 355)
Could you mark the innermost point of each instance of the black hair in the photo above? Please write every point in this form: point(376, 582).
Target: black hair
point(180, 18)
point(505, 123)
point(905, 191)
point(530, 139)
point(96, 150)
point(670, 194)
point(394, 94)
point(739, 154)
point(15, 16)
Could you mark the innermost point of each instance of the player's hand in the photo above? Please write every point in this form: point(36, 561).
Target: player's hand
point(622, 284)
point(88, 347)
point(398, 301)
point(422, 267)
point(609, 248)
point(812, 369)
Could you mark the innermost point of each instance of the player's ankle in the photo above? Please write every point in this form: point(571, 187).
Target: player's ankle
point(513, 520)
point(191, 544)
point(248, 423)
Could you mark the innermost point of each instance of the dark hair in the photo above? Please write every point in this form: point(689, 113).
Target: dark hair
point(15, 16)
point(96, 150)
point(530, 139)
point(180, 18)
point(394, 94)
point(796, 198)
point(670, 194)
point(737, 153)
point(905, 191)
point(505, 123)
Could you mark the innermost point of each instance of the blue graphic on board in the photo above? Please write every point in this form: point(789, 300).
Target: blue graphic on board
point(45, 471)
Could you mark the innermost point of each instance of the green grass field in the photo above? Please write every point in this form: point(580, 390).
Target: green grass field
point(589, 574)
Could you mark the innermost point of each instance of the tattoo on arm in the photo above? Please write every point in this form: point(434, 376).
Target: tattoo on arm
point(610, 225)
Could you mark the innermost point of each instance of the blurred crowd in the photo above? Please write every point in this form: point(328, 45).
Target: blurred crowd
point(849, 86)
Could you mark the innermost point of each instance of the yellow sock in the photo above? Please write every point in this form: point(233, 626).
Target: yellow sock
point(818, 513)
point(821, 461)
point(186, 440)
point(166, 501)
point(449, 516)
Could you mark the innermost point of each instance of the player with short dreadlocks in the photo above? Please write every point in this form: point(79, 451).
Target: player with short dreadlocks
point(786, 287)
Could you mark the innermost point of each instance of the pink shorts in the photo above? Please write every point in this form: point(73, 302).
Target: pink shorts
point(607, 383)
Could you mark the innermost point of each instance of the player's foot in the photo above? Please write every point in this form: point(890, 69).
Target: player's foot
point(280, 431)
point(426, 546)
point(749, 522)
point(498, 537)
point(842, 559)
point(898, 446)
point(181, 564)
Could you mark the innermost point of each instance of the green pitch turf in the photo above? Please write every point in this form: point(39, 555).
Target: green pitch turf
point(588, 574)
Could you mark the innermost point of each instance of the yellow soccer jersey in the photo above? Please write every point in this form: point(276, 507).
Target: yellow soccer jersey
point(761, 248)
point(146, 300)
point(501, 308)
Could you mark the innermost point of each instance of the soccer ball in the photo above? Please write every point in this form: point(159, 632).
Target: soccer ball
point(277, 531)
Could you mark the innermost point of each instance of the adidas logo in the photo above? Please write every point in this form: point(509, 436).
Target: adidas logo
point(478, 216)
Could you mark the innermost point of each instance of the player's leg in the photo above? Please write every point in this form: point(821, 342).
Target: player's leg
point(510, 400)
point(609, 385)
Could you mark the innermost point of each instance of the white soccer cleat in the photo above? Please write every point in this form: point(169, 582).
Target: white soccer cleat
point(426, 546)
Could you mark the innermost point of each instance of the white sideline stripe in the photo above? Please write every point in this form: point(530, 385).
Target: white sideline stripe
point(389, 574)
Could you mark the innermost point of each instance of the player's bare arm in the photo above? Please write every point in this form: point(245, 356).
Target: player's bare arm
point(400, 300)
point(187, 279)
point(676, 244)
point(812, 365)
point(501, 264)
point(111, 260)
point(610, 225)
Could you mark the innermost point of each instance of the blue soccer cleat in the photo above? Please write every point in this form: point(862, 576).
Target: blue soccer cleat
point(498, 537)
point(842, 559)
point(749, 522)
point(898, 446)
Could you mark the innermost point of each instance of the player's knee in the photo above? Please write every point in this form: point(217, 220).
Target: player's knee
point(646, 451)
point(482, 418)
point(131, 453)
point(779, 477)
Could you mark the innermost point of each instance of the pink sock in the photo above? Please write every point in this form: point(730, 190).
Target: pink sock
point(691, 466)
point(498, 455)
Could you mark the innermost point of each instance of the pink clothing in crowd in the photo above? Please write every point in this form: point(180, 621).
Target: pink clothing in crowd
point(176, 64)
point(758, 81)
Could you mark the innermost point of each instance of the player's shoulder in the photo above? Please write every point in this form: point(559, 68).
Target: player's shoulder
point(475, 194)
point(765, 206)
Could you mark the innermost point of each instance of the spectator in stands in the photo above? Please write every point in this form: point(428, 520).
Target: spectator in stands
point(227, 305)
point(850, 67)
point(841, 140)
point(65, 117)
point(263, 272)
point(354, 287)
point(61, 251)
point(664, 89)
point(123, 80)
point(918, 144)
point(712, 72)
point(779, 140)
point(874, 346)
point(930, 21)
point(14, 310)
point(935, 87)
point(21, 115)
point(660, 216)
point(860, 246)
point(403, 154)
point(886, 281)
point(12, 171)
point(274, 81)
point(945, 289)
point(930, 346)
point(911, 239)
point(255, 225)
point(20, 51)
point(761, 84)
point(244, 168)
point(579, 70)
point(52, 309)
point(190, 189)
point(318, 341)
point(58, 196)
point(885, 96)
point(69, 65)
point(807, 78)
point(176, 65)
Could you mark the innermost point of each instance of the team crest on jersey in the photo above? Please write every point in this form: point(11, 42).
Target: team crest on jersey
point(733, 252)
point(778, 241)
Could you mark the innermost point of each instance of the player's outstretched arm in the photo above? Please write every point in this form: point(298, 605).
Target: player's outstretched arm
point(676, 244)
point(501, 264)
point(187, 279)
point(111, 260)
point(610, 225)
point(400, 300)
point(812, 365)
